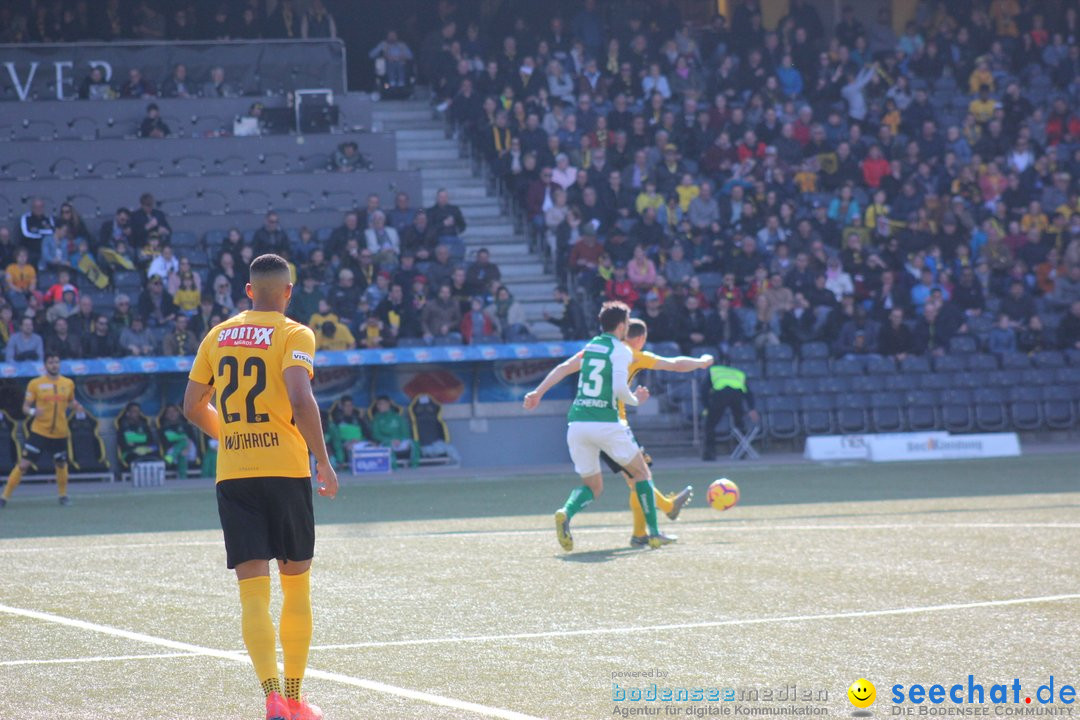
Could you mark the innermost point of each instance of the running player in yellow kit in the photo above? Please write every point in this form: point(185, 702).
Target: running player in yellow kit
point(636, 337)
point(46, 403)
point(265, 419)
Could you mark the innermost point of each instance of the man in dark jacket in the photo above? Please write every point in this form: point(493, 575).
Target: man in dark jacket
point(573, 324)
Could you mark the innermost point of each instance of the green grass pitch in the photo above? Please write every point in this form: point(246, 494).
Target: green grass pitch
point(452, 599)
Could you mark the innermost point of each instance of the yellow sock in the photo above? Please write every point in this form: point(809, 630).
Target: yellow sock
point(12, 482)
point(638, 514)
point(258, 629)
point(62, 479)
point(295, 629)
point(663, 503)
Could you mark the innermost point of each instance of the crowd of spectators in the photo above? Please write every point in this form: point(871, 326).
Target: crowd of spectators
point(384, 277)
point(38, 21)
point(882, 192)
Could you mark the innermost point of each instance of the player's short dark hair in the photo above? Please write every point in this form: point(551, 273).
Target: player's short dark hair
point(269, 264)
point(613, 314)
point(637, 329)
point(329, 329)
point(51, 355)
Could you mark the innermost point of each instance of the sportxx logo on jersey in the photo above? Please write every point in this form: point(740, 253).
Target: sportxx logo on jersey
point(250, 336)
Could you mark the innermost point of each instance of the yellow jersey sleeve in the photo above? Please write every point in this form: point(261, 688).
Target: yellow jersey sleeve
point(300, 349)
point(643, 360)
point(201, 370)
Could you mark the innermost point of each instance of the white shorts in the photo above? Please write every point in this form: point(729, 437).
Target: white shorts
point(587, 439)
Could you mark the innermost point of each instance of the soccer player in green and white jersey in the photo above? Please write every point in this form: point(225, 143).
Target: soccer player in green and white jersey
point(594, 427)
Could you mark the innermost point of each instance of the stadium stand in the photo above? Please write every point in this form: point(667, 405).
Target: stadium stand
point(881, 230)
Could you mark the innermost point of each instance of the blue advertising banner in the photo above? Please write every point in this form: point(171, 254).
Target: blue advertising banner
point(325, 359)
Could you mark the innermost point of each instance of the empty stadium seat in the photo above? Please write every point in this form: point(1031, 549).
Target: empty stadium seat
point(780, 368)
point(782, 417)
point(948, 363)
point(1058, 410)
point(779, 352)
point(962, 344)
point(814, 351)
point(1015, 361)
point(1049, 359)
point(1024, 408)
point(990, 415)
point(848, 367)
point(865, 383)
point(851, 413)
point(817, 414)
point(957, 413)
point(915, 364)
point(814, 367)
point(982, 362)
point(742, 353)
point(885, 413)
point(920, 409)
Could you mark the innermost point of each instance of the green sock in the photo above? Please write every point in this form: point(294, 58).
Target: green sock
point(644, 491)
point(579, 499)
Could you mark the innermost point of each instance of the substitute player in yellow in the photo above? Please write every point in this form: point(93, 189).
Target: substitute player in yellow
point(47, 400)
point(265, 419)
point(636, 337)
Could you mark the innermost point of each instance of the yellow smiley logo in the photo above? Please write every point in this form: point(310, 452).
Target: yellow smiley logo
point(862, 693)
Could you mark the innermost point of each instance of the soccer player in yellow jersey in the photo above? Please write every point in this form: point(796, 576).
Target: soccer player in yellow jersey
point(46, 403)
point(636, 337)
point(265, 419)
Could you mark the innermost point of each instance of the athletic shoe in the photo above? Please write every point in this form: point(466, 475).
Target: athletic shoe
point(277, 707)
point(680, 501)
point(3, 502)
point(303, 710)
point(562, 530)
point(644, 541)
point(65, 500)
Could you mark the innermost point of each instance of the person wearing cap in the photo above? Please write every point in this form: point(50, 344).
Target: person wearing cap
point(66, 307)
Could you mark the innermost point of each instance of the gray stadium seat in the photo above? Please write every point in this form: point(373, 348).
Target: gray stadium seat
point(885, 412)
point(962, 344)
point(982, 362)
point(921, 409)
point(779, 352)
point(851, 413)
point(1024, 408)
point(990, 415)
point(742, 353)
point(814, 351)
point(782, 417)
point(1015, 361)
point(915, 364)
point(957, 414)
point(1049, 359)
point(848, 367)
point(814, 367)
point(817, 414)
point(1058, 410)
point(780, 368)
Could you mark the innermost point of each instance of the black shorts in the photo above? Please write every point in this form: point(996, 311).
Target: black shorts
point(267, 518)
point(37, 446)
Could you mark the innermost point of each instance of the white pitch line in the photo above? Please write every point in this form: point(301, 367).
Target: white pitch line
point(94, 659)
point(700, 525)
point(191, 649)
point(708, 624)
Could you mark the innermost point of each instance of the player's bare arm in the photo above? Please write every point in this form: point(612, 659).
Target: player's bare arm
point(558, 373)
point(199, 410)
point(306, 417)
point(684, 364)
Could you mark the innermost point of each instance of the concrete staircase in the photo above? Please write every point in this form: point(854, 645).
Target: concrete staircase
point(422, 145)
